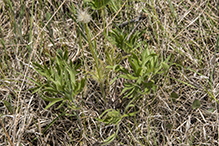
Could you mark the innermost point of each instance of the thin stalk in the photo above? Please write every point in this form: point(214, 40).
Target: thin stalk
point(104, 27)
point(93, 54)
point(90, 46)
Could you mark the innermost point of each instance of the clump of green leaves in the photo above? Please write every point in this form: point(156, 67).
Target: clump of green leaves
point(99, 4)
point(113, 117)
point(140, 77)
point(61, 83)
point(120, 39)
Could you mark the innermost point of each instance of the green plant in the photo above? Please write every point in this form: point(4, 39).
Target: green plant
point(113, 117)
point(140, 78)
point(61, 80)
point(61, 84)
point(99, 4)
point(120, 39)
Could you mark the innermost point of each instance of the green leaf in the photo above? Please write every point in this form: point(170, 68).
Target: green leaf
point(63, 102)
point(112, 137)
point(53, 121)
point(196, 104)
point(211, 110)
point(53, 102)
point(165, 66)
point(113, 80)
point(134, 65)
point(129, 93)
point(133, 113)
point(103, 113)
point(8, 106)
point(112, 117)
point(118, 68)
point(74, 107)
point(98, 4)
point(35, 89)
point(140, 80)
point(59, 53)
point(139, 72)
point(174, 96)
point(135, 62)
point(72, 74)
point(136, 58)
point(147, 59)
point(49, 89)
point(81, 85)
point(65, 57)
point(128, 76)
point(127, 87)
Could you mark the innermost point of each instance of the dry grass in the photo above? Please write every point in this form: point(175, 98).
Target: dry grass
point(186, 29)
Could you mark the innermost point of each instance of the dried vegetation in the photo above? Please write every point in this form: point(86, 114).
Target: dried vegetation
point(185, 29)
